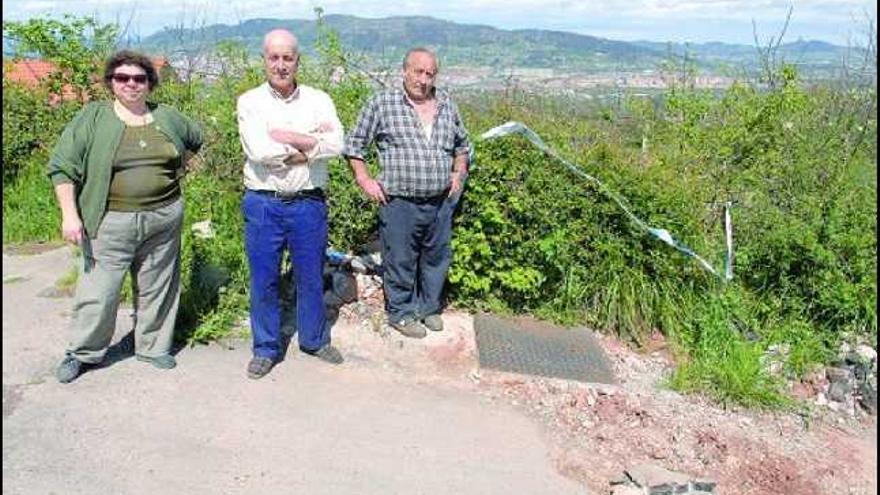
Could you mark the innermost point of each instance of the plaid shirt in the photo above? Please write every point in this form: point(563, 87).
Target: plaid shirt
point(412, 165)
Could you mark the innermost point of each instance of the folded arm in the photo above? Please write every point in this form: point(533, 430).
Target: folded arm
point(257, 143)
point(323, 139)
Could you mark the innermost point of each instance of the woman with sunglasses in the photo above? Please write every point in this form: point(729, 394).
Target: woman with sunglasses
point(116, 172)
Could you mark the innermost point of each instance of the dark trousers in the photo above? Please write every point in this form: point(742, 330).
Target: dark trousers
point(416, 254)
point(271, 225)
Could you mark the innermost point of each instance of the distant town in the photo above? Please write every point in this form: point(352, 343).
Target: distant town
point(490, 78)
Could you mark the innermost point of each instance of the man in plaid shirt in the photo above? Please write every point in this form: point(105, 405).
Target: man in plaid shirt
point(423, 149)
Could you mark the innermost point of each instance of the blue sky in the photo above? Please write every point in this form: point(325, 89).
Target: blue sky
point(837, 21)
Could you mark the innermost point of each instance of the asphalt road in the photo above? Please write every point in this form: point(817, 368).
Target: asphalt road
point(365, 427)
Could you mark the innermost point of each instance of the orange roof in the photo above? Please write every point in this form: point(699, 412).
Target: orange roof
point(28, 72)
point(31, 71)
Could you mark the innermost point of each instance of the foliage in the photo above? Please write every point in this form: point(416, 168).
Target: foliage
point(794, 163)
point(27, 121)
point(721, 360)
point(798, 164)
point(75, 44)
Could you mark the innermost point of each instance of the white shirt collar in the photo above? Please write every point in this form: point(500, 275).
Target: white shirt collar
point(275, 94)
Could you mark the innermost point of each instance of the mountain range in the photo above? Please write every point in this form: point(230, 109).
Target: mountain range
point(382, 43)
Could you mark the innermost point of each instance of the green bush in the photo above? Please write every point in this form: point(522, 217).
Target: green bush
point(798, 165)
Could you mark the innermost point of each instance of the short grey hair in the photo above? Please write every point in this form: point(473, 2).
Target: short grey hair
point(282, 34)
point(421, 49)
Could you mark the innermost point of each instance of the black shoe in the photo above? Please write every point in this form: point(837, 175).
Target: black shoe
point(69, 369)
point(259, 367)
point(327, 353)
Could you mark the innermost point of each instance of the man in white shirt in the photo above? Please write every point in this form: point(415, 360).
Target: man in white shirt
point(288, 132)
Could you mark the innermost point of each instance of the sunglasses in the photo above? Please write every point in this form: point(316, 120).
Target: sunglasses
point(124, 78)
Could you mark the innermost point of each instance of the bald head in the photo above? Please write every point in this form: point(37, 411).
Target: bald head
point(281, 59)
point(280, 39)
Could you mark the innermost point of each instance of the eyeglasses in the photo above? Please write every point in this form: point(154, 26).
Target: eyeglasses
point(124, 78)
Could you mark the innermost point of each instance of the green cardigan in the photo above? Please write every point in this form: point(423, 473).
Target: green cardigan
point(84, 154)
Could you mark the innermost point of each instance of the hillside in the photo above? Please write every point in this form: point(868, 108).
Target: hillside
point(383, 42)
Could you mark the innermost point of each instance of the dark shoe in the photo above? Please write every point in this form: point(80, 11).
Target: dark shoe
point(409, 328)
point(327, 353)
point(163, 362)
point(259, 367)
point(69, 369)
point(433, 323)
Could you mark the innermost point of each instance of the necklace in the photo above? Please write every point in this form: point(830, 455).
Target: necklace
point(141, 142)
point(128, 117)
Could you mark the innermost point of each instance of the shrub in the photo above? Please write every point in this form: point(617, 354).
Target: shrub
point(796, 163)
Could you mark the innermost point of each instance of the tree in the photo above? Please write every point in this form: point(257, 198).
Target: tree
point(75, 45)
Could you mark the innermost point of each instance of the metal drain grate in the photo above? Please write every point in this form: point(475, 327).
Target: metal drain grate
point(537, 348)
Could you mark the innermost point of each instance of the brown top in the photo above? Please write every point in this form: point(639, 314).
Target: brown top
point(144, 171)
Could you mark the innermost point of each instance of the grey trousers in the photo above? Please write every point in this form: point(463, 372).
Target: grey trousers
point(146, 244)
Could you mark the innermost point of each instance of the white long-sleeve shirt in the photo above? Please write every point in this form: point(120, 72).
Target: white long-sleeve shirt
point(308, 111)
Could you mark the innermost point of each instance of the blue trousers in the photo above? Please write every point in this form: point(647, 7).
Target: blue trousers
point(416, 254)
point(270, 226)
